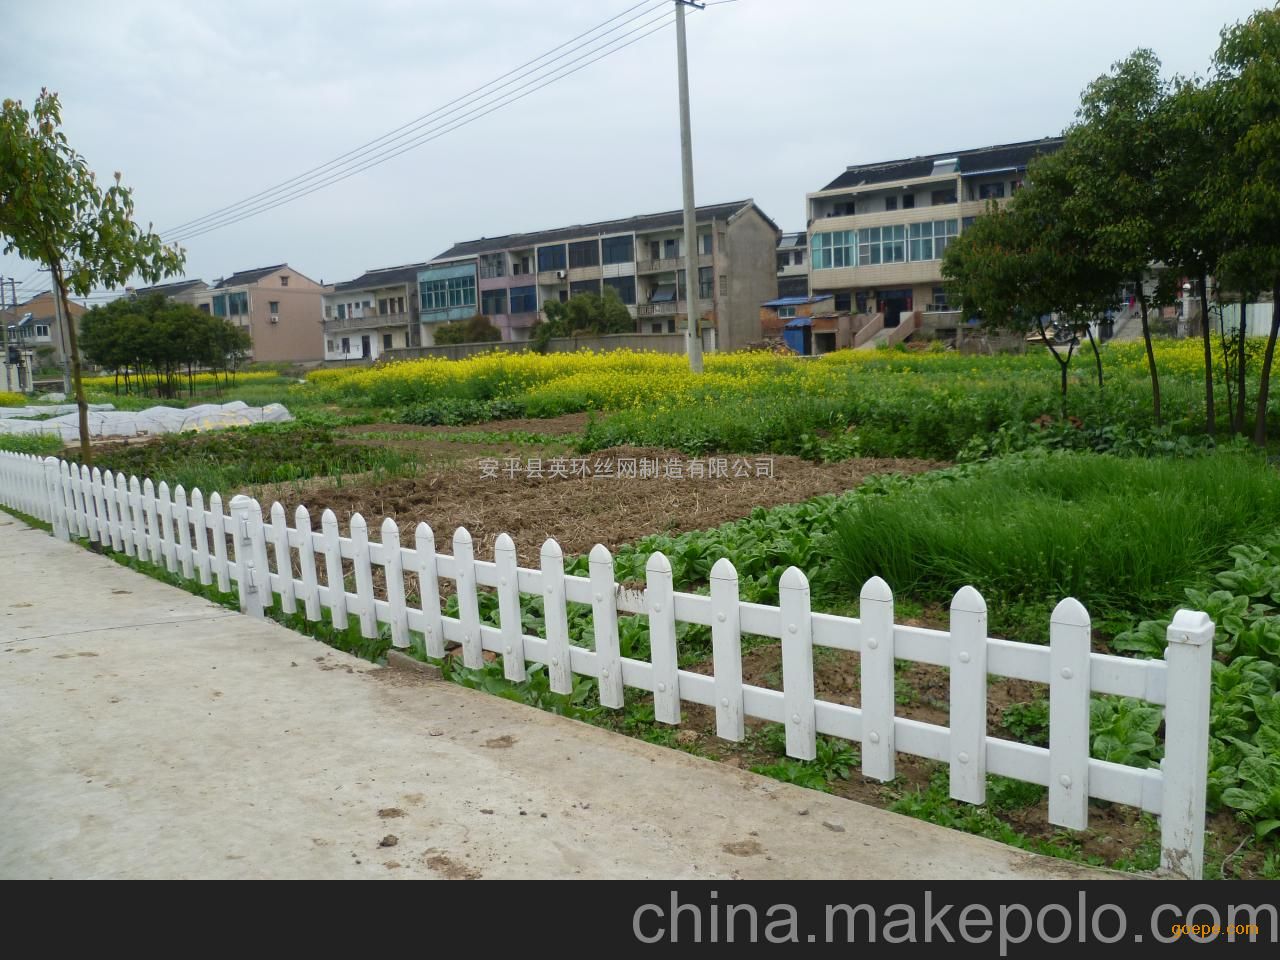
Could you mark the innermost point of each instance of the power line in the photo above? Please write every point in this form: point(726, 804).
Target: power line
point(414, 127)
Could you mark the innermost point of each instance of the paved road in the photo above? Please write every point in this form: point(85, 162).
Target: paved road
point(148, 733)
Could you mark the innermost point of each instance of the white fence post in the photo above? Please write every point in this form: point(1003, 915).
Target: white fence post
point(726, 650)
point(968, 696)
point(361, 566)
point(154, 547)
point(504, 558)
point(182, 518)
point(307, 561)
point(1189, 656)
point(56, 509)
point(337, 587)
point(393, 567)
point(556, 617)
point(138, 523)
point(165, 510)
point(124, 520)
point(604, 622)
point(1069, 643)
point(111, 506)
point(200, 528)
point(245, 512)
point(464, 558)
point(424, 545)
point(799, 711)
point(218, 530)
point(283, 558)
point(875, 611)
point(660, 600)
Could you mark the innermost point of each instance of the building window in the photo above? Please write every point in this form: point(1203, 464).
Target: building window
point(493, 265)
point(843, 302)
point(329, 345)
point(882, 245)
point(444, 294)
point(238, 304)
point(204, 308)
point(939, 197)
point(273, 306)
point(519, 265)
point(832, 250)
point(584, 253)
point(524, 299)
point(617, 250)
point(346, 345)
point(284, 279)
point(1014, 186)
point(799, 258)
point(724, 285)
point(625, 287)
point(706, 283)
point(786, 313)
point(551, 258)
point(328, 311)
point(42, 331)
point(784, 260)
point(342, 311)
point(930, 239)
point(991, 191)
point(655, 328)
point(908, 201)
point(670, 248)
point(967, 222)
point(220, 305)
point(891, 203)
point(579, 287)
point(386, 341)
point(705, 241)
point(493, 302)
point(939, 299)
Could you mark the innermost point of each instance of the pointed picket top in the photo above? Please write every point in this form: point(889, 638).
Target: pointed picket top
point(96, 474)
point(968, 600)
point(329, 517)
point(793, 578)
point(277, 512)
point(357, 522)
point(179, 492)
point(658, 563)
point(164, 489)
point(424, 537)
point(461, 536)
point(724, 570)
point(551, 550)
point(876, 589)
point(108, 480)
point(302, 517)
point(390, 531)
point(504, 544)
point(215, 498)
point(1071, 613)
point(600, 554)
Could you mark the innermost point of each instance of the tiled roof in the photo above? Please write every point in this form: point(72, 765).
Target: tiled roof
point(249, 276)
point(640, 224)
point(169, 289)
point(999, 157)
point(383, 277)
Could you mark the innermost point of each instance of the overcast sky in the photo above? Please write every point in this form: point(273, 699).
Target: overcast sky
point(202, 104)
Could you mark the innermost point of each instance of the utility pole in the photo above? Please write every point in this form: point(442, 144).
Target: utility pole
point(693, 336)
point(4, 330)
point(62, 338)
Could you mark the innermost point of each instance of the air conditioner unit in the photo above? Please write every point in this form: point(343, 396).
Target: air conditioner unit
point(275, 318)
point(560, 274)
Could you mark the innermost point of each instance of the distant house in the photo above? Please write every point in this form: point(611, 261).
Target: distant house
point(375, 312)
point(808, 325)
point(34, 326)
point(281, 309)
point(642, 258)
point(793, 265)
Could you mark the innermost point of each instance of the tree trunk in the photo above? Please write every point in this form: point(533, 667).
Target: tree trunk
point(1264, 385)
point(73, 338)
point(1097, 356)
point(1238, 425)
point(1226, 370)
point(1151, 353)
point(1062, 367)
point(1210, 415)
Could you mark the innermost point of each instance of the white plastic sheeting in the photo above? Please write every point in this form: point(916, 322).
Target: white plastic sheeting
point(107, 422)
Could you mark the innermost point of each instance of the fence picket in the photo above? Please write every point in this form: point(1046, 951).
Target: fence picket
point(726, 650)
point(604, 621)
point(283, 558)
point(182, 517)
point(504, 556)
point(363, 570)
point(307, 562)
point(139, 519)
point(84, 491)
point(424, 545)
point(875, 610)
point(1069, 715)
point(660, 601)
point(799, 714)
point(468, 603)
point(337, 587)
point(110, 529)
point(393, 565)
point(218, 530)
point(1185, 766)
point(165, 510)
point(252, 579)
point(57, 515)
point(200, 527)
point(968, 694)
point(149, 505)
point(556, 618)
point(124, 518)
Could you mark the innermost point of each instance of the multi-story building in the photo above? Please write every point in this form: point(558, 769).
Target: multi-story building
point(878, 231)
point(510, 278)
point(793, 265)
point(279, 307)
point(34, 326)
point(376, 312)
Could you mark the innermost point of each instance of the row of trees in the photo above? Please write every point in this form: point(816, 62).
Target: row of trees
point(1183, 173)
point(153, 337)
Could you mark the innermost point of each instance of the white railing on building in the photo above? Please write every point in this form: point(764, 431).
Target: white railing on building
point(292, 566)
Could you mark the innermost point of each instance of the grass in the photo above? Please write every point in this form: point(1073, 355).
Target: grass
point(1126, 536)
point(40, 444)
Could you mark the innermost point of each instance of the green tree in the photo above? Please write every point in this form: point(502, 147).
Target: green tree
point(477, 329)
point(586, 313)
point(54, 212)
point(1243, 192)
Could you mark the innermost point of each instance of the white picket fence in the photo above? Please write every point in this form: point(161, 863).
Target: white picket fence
point(198, 541)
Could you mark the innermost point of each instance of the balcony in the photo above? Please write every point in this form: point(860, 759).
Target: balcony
point(670, 264)
point(667, 308)
point(369, 321)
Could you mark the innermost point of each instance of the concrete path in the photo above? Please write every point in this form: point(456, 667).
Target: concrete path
point(148, 733)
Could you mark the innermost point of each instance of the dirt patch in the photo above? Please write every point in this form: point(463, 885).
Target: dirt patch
point(743, 848)
point(504, 742)
point(578, 511)
point(450, 868)
point(390, 813)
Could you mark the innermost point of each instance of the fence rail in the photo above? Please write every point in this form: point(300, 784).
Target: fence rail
point(290, 564)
